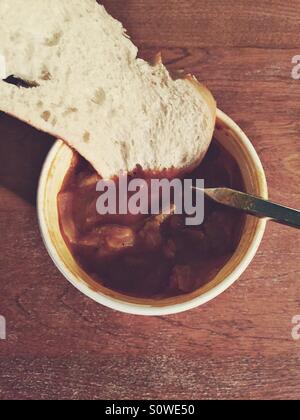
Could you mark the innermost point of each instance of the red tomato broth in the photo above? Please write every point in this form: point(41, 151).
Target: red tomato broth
point(138, 255)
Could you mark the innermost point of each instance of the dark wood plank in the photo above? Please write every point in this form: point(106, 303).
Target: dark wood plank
point(206, 23)
point(62, 345)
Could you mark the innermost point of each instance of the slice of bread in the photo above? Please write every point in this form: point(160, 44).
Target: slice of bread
point(89, 88)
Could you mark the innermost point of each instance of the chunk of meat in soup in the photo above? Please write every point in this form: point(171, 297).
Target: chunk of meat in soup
point(110, 240)
point(151, 235)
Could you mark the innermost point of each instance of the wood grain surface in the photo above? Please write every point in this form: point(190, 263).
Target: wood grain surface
point(61, 345)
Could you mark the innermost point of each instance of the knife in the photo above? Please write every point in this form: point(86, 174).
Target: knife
point(254, 205)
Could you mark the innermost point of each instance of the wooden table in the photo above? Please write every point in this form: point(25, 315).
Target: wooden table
point(62, 345)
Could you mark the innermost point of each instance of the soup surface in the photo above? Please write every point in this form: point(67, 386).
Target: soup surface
point(150, 256)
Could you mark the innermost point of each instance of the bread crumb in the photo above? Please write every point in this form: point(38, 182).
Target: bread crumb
point(99, 97)
point(54, 40)
point(69, 111)
point(86, 137)
point(46, 115)
point(45, 73)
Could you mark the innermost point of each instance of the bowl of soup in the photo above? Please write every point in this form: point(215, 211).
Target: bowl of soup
point(152, 265)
